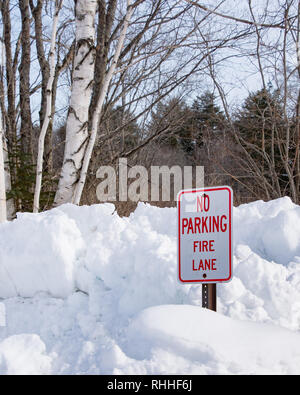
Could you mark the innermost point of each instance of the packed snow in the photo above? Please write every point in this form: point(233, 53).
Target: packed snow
point(83, 291)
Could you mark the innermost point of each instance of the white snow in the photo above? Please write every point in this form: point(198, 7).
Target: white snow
point(2, 315)
point(25, 355)
point(196, 336)
point(85, 291)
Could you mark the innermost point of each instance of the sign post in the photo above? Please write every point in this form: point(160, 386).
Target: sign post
point(205, 239)
point(209, 296)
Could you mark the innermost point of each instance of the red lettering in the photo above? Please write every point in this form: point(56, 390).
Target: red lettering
point(203, 203)
point(204, 246)
point(223, 226)
point(195, 270)
point(213, 264)
point(184, 224)
point(206, 203)
point(216, 226)
point(204, 224)
point(199, 204)
point(190, 228)
point(195, 245)
point(206, 265)
point(197, 225)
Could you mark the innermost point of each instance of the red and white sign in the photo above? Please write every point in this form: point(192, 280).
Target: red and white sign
point(205, 235)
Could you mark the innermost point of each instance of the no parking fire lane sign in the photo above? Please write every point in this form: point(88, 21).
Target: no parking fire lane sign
point(205, 235)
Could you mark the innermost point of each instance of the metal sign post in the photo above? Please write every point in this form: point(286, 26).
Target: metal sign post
point(209, 296)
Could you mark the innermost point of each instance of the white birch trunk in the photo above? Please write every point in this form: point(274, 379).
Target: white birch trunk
point(41, 144)
point(96, 116)
point(3, 214)
point(77, 122)
point(3, 211)
point(10, 205)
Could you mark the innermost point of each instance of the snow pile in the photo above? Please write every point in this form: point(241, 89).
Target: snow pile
point(270, 229)
point(104, 296)
point(2, 315)
point(25, 355)
point(196, 336)
point(39, 253)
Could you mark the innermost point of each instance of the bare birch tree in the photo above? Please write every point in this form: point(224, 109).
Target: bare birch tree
point(99, 106)
point(3, 211)
point(3, 215)
point(82, 85)
point(48, 110)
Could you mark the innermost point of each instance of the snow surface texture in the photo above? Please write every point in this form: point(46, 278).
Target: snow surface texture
point(83, 291)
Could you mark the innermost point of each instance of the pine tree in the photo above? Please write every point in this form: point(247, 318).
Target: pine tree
point(124, 131)
point(260, 124)
point(208, 119)
point(175, 118)
point(23, 180)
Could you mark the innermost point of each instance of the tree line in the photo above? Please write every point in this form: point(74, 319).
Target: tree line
point(85, 82)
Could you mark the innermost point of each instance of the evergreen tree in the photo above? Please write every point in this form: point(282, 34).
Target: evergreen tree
point(23, 173)
point(189, 127)
point(207, 118)
point(175, 118)
point(260, 124)
point(128, 133)
point(260, 112)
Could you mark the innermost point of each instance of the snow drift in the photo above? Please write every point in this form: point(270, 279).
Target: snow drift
point(75, 281)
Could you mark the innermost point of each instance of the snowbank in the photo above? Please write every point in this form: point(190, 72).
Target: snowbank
point(39, 253)
point(270, 229)
point(88, 273)
point(25, 355)
point(196, 336)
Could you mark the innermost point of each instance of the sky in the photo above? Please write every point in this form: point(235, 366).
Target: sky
point(238, 74)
